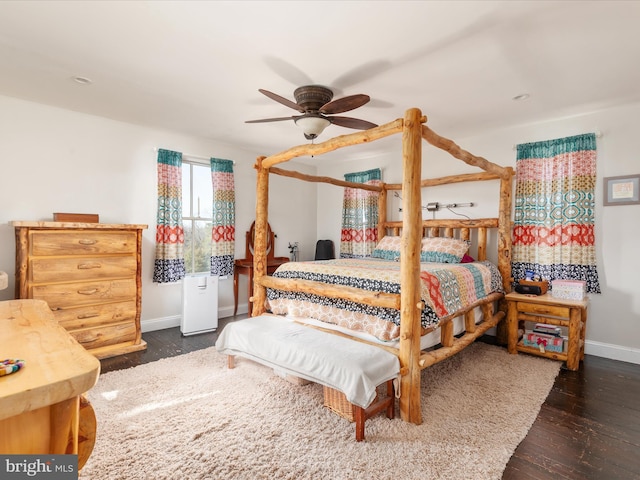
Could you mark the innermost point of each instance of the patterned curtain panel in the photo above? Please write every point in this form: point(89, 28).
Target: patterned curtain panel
point(169, 264)
point(359, 233)
point(223, 231)
point(553, 233)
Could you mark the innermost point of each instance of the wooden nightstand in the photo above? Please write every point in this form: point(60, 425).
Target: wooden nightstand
point(571, 314)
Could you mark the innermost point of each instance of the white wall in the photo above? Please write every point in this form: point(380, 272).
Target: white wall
point(55, 160)
point(614, 315)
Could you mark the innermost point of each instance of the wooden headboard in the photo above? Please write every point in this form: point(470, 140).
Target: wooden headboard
point(461, 229)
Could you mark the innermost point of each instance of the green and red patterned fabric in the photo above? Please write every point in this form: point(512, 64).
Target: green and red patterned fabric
point(359, 234)
point(445, 288)
point(553, 234)
point(223, 232)
point(169, 261)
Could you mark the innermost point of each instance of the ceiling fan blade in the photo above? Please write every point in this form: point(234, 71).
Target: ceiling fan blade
point(360, 73)
point(352, 123)
point(344, 104)
point(288, 72)
point(264, 120)
point(282, 100)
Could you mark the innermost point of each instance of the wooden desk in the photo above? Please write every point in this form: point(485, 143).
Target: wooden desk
point(245, 267)
point(40, 410)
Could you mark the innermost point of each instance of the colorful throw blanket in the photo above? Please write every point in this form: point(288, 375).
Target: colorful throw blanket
point(446, 289)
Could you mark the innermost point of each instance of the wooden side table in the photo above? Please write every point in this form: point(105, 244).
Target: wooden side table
point(245, 267)
point(571, 314)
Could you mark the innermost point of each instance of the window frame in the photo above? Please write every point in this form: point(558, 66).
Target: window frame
point(192, 219)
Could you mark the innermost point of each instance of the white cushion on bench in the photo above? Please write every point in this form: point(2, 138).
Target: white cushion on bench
point(352, 367)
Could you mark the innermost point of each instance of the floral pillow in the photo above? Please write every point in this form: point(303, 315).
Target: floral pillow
point(443, 250)
point(434, 249)
point(388, 248)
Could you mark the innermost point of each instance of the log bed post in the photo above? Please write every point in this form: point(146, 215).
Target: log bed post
point(504, 244)
point(410, 311)
point(382, 213)
point(260, 241)
point(506, 182)
point(504, 228)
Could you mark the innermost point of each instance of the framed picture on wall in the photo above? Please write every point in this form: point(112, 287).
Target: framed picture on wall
point(622, 190)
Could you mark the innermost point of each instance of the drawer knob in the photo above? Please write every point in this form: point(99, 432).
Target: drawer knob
point(87, 315)
point(88, 291)
point(86, 241)
point(87, 266)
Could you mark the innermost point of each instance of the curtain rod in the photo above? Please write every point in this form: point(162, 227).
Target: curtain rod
point(190, 156)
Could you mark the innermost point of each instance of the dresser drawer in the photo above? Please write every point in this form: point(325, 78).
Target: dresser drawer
point(78, 242)
point(84, 293)
point(92, 338)
point(96, 315)
point(543, 309)
point(69, 269)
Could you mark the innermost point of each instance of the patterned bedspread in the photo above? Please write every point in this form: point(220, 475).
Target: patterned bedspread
point(445, 288)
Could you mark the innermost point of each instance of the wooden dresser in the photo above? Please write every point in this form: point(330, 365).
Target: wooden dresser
point(90, 276)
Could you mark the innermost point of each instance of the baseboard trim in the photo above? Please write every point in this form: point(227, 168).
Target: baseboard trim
point(613, 352)
point(153, 324)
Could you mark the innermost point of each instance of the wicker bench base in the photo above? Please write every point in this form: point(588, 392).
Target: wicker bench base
point(338, 403)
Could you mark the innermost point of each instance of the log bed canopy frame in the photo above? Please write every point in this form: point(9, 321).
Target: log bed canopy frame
point(412, 228)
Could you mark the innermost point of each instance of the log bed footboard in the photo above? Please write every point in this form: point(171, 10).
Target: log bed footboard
point(450, 344)
point(458, 343)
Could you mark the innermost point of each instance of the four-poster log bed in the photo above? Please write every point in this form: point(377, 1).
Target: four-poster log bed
point(412, 228)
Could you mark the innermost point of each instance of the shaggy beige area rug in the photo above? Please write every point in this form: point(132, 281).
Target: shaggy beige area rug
point(190, 418)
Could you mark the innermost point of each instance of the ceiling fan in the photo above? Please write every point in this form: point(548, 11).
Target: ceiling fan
point(317, 109)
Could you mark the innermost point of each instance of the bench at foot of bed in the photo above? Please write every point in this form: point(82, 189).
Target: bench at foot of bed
point(352, 369)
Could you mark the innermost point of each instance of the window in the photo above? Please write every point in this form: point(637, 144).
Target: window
point(197, 216)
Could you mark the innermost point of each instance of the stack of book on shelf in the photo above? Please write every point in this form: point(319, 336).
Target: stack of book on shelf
point(545, 337)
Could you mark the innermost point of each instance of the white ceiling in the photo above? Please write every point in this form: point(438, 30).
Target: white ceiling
point(196, 67)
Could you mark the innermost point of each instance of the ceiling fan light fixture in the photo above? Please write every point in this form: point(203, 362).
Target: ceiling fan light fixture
point(312, 125)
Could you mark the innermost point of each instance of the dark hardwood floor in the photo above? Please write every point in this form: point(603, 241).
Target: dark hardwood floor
point(163, 344)
point(588, 428)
